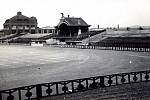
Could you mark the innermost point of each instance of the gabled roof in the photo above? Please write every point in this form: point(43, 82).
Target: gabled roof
point(73, 21)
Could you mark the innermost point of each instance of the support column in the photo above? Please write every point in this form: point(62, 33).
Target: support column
point(79, 31)
point(36, 29)
point(23, 28)
point(29, 28)
point(70, 32)
point(10, 29)
point(42, 30)
point(16, 29)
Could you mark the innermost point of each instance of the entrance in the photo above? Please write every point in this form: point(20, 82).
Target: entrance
point(64, 30)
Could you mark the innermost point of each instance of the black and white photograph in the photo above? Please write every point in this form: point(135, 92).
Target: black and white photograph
point(75, 50)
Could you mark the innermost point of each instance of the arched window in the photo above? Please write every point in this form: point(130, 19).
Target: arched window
point(64, 30)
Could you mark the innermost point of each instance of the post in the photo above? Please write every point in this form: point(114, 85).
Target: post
point(0, 96)
point(87, 84)
point(102, 82)
point(39, 91)
point(57, 92)
point(72, 86)
point(19, 94)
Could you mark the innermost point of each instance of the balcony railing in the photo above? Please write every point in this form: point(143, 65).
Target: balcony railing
point(73, 86)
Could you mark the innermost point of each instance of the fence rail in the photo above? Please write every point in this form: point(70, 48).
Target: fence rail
point(106, 47)
point(73, 86)
point(138, 49)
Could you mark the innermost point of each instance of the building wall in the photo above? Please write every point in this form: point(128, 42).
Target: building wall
point(40, 30)
point(19, 28)
point(19, 24)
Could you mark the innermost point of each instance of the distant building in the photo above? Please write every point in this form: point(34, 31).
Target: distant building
point(1, 32)
point(47, 29)
point(19, 24)
point(71, 26)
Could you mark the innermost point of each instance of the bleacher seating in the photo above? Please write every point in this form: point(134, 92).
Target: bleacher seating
point(86, 35)
point(27, 38)
point(94, 38)
point(5, 37)
point(121, 38)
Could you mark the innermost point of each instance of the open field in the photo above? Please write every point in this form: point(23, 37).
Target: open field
point(26, 65)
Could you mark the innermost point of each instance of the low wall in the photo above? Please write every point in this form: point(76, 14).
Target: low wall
point(89, 47)
point(102, 48)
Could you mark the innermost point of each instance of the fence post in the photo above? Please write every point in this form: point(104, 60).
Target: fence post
point(19, 94)
point(0, 96)
point(102, 82)
point(39, 91)
point(57, 91)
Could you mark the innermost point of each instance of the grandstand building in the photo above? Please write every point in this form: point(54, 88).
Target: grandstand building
point(20, 24)
point(69, 27)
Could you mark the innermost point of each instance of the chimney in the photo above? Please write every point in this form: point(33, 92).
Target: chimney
point(62, 15)
point(98, 26)
point(118, 26)
point(19, 13)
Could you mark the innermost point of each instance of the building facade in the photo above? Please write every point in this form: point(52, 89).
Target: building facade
point(47, 29)
point(20, 24)
point(71, 26)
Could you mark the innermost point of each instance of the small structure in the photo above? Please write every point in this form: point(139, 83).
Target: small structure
point(69, 27)
point(47, 29)
point(1, 32)
point(19, 24)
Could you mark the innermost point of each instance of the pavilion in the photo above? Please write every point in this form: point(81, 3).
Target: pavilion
point(19, 24)
point(70, 27)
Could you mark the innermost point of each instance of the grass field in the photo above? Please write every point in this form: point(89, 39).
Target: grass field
point(27, 65)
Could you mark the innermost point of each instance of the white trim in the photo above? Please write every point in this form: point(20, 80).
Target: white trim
point(64, 22)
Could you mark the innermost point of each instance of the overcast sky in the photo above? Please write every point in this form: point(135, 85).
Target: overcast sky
point(106, 13)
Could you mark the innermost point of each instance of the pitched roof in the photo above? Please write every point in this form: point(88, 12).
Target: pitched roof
point(21, 18)
point(73, 21)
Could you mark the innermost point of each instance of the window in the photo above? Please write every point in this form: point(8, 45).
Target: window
point(26, 20)
point(39, 31)
point(19, 20)
point(45, 31)
point(49, 31)
point(6, 26)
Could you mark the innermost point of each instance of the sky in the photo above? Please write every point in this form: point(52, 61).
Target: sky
point(105, 13)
